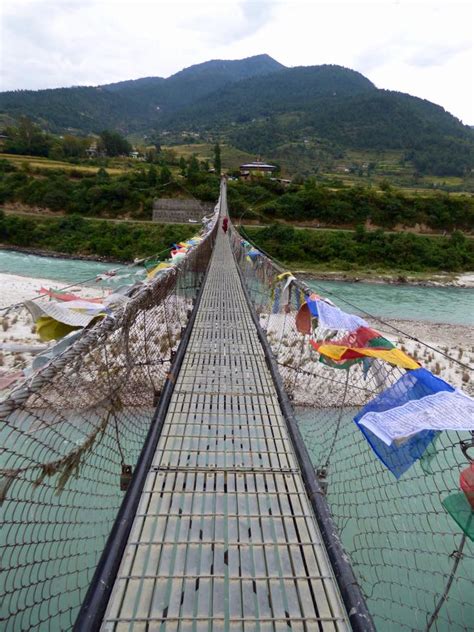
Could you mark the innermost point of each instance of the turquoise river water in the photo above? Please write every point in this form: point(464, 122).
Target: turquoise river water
point(435, 304)
point(411, 302)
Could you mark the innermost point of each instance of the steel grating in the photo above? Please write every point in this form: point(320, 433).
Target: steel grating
point(225, 538)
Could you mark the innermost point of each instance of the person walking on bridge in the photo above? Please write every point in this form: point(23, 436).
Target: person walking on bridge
point(225, 222)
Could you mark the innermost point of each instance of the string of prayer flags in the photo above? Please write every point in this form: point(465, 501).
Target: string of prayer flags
point(253, 253)
point(402, 451)
point(364, 342)
point(287, 278)
point(276, 300)
point(48, 328)
point(65, 296)
point(151, 274)
point(55, 320)
point(312, 301)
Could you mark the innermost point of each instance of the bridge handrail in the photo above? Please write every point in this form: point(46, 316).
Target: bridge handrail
point(70, 440)
point(410, 557)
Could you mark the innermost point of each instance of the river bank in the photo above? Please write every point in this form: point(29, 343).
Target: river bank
point(442, 316)
point(451, 339)
point(61, 255)
point(447, 279)
point(18, 340)
point(448, 349)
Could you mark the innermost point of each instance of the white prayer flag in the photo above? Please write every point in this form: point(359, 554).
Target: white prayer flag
point(445, 410)
point(334, 318)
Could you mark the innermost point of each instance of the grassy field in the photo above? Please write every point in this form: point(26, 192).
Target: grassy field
point(352, 169)
point(231, 157)
point(325, 229)
point(363, 168)
point(47, 163)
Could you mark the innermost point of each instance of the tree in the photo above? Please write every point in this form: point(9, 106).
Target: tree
point(113, 143)
point(74, 147)
point(217, 159)
point(27, 139)
point(152, 176)
point(193, 169)
point(165, 175)
point(102, 175)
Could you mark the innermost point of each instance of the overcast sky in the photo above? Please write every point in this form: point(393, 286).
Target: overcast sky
point(424, 48)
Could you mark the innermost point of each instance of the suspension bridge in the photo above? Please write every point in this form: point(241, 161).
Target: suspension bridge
point(154, 476)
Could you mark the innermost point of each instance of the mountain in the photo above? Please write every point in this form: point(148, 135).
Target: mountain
point(260, 106)
point(292, 90)
point(333, 108)
point(130, 105)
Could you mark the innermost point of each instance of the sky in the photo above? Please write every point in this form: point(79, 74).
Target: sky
point(422, 47)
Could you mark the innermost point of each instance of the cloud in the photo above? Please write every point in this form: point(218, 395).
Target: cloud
point(256, 15)
point(436, 54)
point(232, 21)
point(375, 57)
point(417, 47)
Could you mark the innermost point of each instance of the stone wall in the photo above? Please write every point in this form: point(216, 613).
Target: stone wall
point(176, 211)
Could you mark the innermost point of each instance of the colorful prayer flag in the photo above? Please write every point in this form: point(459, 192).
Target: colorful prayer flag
point(413, 385)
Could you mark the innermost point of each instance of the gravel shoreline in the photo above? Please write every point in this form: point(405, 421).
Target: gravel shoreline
point(462, 280)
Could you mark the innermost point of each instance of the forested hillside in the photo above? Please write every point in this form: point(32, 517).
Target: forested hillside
point(259, 106)
point(129, 105)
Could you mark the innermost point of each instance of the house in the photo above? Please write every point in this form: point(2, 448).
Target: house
point(256, 169)
point(93, 151)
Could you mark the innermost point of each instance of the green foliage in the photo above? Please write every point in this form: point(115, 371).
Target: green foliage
point(217, 159)
point(364, 249)
point(332, 106)
point(349, 206)
point(101, 194)
point(165, 175)
point(28, 139)
point(130, 105)
point(114, 144)
point(193, 172)
point(76, 235)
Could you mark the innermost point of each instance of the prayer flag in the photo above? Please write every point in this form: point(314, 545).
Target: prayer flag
point(412, 386)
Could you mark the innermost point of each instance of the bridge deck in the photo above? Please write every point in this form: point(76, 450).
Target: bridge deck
point(225, 537)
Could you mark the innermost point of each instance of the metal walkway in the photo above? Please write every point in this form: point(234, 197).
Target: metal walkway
point(225, 537)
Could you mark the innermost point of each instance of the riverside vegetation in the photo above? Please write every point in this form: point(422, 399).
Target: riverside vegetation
point(66, 204)
point(362, 250)
point(75, 235)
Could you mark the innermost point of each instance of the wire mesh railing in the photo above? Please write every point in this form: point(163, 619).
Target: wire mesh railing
point(70, 437)
point(413, 561)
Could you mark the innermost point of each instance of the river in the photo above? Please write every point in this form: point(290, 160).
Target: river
point(451, 305)
point(54, 268)
point(411, 302)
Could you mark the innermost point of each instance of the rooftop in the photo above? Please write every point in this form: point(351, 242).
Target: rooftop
point(257, 165)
